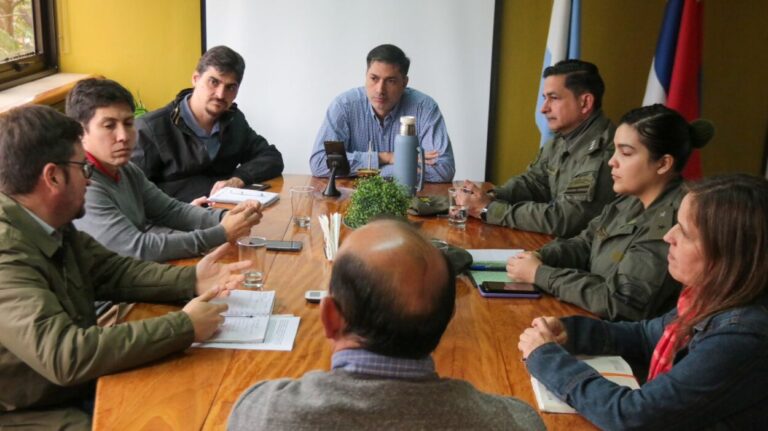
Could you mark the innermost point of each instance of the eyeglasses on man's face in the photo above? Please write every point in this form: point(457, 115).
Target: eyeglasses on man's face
point(86, 167)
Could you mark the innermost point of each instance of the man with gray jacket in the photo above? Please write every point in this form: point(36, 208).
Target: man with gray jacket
point(391, 297)
point(125, 211)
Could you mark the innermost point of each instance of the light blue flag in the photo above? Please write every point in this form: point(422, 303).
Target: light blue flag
point(563, 42)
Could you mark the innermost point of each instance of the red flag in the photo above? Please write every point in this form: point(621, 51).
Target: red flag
point(684, 88)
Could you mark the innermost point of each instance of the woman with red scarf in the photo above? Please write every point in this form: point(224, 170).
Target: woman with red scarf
point(705, 363)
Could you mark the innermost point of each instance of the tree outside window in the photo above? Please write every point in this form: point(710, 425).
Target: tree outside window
point(17, 29)
point(27, 41)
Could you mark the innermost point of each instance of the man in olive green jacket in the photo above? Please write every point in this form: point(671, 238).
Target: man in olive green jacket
point(51, 349)
point(570, 181)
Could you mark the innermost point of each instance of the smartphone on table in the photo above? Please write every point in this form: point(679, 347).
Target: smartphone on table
point(503, 289)
point(258, 187)
point(284, 245)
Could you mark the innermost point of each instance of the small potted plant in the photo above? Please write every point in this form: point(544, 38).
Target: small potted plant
point(376, 196)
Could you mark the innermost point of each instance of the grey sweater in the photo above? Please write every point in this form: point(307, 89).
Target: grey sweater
point(135, 218)
point(341, 400)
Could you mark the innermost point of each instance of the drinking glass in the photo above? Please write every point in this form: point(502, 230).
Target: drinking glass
point(254, 249)
point(301, 205)
point(457, 214)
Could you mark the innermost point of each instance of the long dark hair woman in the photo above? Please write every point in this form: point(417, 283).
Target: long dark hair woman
point(705, 363)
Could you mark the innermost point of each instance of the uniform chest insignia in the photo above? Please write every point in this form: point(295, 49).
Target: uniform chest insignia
point(661, 224)
point(592, 145)
point(616, 256)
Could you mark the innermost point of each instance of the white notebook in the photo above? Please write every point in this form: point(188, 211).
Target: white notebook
point(247, 318)
point(232, 195)
point(613, 368)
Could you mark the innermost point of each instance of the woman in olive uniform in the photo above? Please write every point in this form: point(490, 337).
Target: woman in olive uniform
point(617, 267)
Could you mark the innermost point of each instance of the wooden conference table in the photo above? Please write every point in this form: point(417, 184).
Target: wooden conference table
point(196, 389)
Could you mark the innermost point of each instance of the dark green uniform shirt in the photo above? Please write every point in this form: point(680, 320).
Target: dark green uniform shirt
point(617, 267)
point(51, 349)
point(565, 187)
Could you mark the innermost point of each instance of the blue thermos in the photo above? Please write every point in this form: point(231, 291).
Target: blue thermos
point(407, 152)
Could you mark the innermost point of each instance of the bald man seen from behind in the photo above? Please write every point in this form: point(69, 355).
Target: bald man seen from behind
point(390, 300)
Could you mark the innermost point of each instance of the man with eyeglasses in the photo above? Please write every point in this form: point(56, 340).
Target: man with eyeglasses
point(86, 167)
point(127, 213)
point(51, 349)
point(201, 142)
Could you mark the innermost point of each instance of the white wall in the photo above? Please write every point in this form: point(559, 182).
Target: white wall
point(301, 53)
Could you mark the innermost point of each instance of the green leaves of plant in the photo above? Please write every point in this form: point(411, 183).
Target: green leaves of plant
point(376, 196)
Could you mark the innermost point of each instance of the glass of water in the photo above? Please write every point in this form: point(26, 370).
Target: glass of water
point(253, 249)
point(301, 205)
point(457, 214)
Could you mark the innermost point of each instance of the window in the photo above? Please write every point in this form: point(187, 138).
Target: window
point(27, 41)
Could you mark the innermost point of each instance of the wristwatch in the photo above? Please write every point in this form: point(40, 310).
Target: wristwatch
point(484, 213)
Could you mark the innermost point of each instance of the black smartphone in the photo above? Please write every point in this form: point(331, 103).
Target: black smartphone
point(257, 186)
point(336, 157)
point(284, 245)
point(500, 289)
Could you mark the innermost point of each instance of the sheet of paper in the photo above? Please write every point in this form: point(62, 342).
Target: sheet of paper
point(493, 255)
point(242, 329)
point(281, 334)
point(248, 302)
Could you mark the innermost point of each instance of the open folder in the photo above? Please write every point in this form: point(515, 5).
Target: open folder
point(232, 195)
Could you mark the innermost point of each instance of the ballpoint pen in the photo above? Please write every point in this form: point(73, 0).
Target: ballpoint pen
point(488, 267)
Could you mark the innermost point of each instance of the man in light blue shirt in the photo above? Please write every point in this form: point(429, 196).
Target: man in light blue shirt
point(367, 119)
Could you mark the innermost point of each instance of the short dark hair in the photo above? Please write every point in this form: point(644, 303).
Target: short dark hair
point(90, 94)
point(368, 301)
point(33, 136)
point(389, 54)
point(580, 77)
point(664, 131)
point(224, 59)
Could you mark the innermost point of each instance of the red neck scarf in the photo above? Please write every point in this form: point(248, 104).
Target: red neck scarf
point(664, 353)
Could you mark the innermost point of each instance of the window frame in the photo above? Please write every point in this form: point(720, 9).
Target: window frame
point(46, 61)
